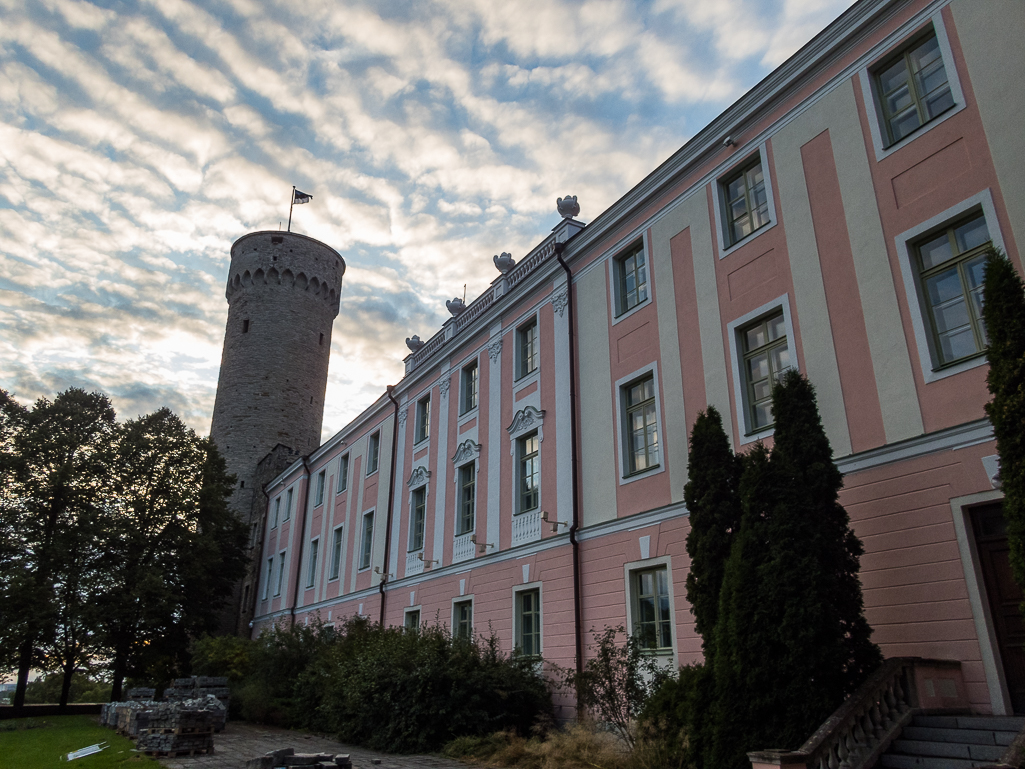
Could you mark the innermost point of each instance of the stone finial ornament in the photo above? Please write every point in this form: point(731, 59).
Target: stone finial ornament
point(455, 306)
point(414, 343)
point(505, 262)
point(568, 206)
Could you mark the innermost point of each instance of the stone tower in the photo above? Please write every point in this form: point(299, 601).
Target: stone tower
point(283, 293)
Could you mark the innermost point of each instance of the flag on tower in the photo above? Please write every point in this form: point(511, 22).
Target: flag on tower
point(300, 197)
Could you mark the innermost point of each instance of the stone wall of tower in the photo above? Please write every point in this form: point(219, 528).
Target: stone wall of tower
point(283, 293)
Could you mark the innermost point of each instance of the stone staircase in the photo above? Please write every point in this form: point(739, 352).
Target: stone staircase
point(951, 742)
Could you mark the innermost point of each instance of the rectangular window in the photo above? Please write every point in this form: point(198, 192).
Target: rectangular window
point(270, 576)
point(336, 553)
point(417, 516)
point(912, 88)
point(766, 356)
point(373, 452)
point(312, 573)
point(288, 505)
point(745, 202)
point(411, 622)
point(951, 264)
point(319, 499)
point(277, 512)
point(281, 572)
point(526, 349)
point(367, 541)
point(652, 614)
point(528, 623)
point(462, 619)
point(468, 388)
point(343, 473)
point(632, 279)
point(467, 499)
point(530, 472)
point(423, 419)
point(641, 425)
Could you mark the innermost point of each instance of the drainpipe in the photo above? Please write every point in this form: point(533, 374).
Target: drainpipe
point(391, 491)
point(302, 539)
point(559, 248)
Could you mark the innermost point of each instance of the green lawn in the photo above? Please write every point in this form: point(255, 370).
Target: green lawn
point(43, 743)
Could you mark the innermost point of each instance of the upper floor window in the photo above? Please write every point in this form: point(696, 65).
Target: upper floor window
point(528, 623)
point(270, 576)
point(281, 573)
point(366, 540)
point(526, 348)
point(423, 419)
point(319, 499)
point(642, 425)
point(912, 88)
point(312, 573)
point(288, 505)
point(373, 452)
point(417, 518)
point(462, 619)
point(343, 473)
point(277, 512)
point(467, 499)
point(468, 388)
point(529, 462)
point(336, 553)
point(745, 202)
point(766, 355)
point(951, 264)
point(631, 279)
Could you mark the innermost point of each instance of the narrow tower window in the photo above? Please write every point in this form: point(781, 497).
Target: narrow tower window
point(321, 339)
point(245, 326)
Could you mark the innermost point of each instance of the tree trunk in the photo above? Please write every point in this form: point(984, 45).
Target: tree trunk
point(120, 666)
point(69, 671)
point(24, 665)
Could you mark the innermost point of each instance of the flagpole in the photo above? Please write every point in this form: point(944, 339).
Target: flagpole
point(290, 205)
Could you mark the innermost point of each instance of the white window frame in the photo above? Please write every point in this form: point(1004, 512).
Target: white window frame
point(373, 452)
point(270, 577)
point(666, 657)
point(473, 614)
point(318, 498)
point(719, 203)
point(281, 572)
point(337, 548)
point(473, 365)
point(733, 329)
point(422, 419)
point(366, 545)
point(529, 587)
point(913, 286)
point(311, 572)
point(625, 476)
point(277, 512)
point(614, 268)
point(289, 500)
point(343, 473)
point(423, 487)
point(418, 610)
point(473, 466)
point(869, 89)
point(524, 378)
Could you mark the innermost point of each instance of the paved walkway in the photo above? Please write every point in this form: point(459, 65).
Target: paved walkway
point(240, 742)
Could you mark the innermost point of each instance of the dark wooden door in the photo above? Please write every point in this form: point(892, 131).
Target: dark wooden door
point(1005, 596)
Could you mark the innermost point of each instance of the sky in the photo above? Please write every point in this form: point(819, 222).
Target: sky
point(139, 140)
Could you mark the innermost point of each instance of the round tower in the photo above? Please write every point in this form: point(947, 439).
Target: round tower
point(283, 293)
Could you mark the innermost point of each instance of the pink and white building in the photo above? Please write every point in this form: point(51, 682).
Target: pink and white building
point(526, 474)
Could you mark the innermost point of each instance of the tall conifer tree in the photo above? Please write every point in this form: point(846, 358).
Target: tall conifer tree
point(1004, 314)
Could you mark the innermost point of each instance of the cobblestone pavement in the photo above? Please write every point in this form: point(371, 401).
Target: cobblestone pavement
point(240, 742)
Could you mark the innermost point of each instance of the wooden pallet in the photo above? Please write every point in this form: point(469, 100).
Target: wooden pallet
point(177, 753)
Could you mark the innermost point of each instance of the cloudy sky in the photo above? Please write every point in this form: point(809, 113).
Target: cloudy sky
point(138, 140)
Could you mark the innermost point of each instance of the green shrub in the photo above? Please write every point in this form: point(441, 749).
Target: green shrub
point(667, 719)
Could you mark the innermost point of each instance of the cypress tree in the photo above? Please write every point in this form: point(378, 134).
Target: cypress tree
point(1004, 314)
point(822, 646)
point(714, 507)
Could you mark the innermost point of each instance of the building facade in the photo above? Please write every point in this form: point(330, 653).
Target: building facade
point(526, 474)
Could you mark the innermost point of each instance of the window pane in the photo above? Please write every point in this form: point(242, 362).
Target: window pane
point(762, 414)
point(935, 251)
point(758, 367)
point(755, 337)
point(780, 360)
point(957, 344)
point(938, 102)
point(944, 287)
point(777, 327)
point(894, 76)
point(971, 235)
point(904, 124)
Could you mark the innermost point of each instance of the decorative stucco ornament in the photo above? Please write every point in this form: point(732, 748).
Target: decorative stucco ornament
point(414, 343)
point(504, 263)
point(568, 207)
point(455, 306)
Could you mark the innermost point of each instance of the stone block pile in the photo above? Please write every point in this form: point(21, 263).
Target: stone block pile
point(181, 727)
point(287, 757)
point(141, 694)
